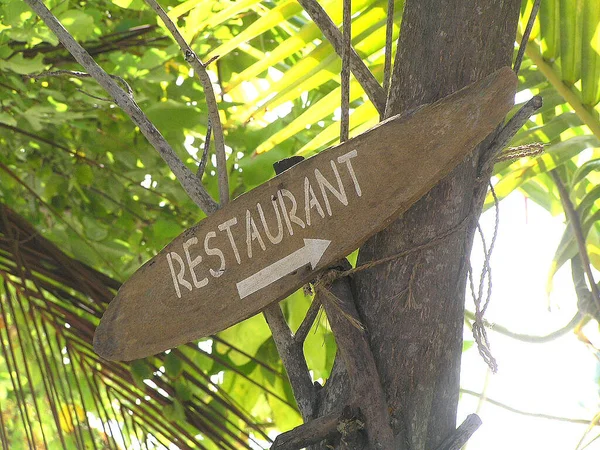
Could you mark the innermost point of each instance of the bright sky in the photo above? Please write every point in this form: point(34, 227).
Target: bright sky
point(557, 378)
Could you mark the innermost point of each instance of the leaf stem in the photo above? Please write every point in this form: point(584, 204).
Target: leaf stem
point(570, 97)
point(532, 339)
point(525, 413)
point(575, 223)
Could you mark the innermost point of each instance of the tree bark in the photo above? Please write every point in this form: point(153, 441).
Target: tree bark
point(413, 307)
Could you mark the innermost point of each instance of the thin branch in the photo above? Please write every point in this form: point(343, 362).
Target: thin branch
point(525, 38)
point(188, 180)
point(290, 351)
point(507, 132)
point(74, 73)
point(204, 158)
point(517, 121)
point(530, 338)
point(309, 320)
point(120, 39)
point(361, 72)
point(354, 349)
point(293, 360)
point(462, 434)
point(389, 31)
point(524, 413)
point(77, 74)
point(573, 218)
point(346, 48)
point(103, 99)
point(211, 101)
point(585, 303)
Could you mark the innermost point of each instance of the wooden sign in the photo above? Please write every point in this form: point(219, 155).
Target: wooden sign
point(269, 242)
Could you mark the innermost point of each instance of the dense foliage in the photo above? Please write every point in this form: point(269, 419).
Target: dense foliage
point(76, 170)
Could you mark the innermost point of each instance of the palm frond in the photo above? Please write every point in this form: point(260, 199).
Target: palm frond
point(55, 392)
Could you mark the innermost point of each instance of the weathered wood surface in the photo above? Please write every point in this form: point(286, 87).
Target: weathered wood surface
point(309, 433)
point(353, 347)
point(230, 266)
point(463, 433)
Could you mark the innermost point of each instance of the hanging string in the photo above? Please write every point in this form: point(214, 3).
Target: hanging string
point(335, 274)
point(481, 303)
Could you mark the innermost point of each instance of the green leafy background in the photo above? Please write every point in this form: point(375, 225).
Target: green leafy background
point(79, 172)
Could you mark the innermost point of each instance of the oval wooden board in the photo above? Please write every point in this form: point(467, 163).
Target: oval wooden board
point(270, 241)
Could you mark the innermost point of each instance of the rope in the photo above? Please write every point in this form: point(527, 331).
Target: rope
point(481, 305)
point(402, 254)
point(324, 280)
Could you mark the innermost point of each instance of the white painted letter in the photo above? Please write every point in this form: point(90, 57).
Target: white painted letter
point(178, 279)
point(193, 263)
point(323, 183)
point(227, 226)
point(214, 252)
point(289, 216)
point(252, 233)
point(277, 239)
point(310, 200)
point(346, 158)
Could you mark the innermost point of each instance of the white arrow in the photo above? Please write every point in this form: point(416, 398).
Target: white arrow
point(311, 253)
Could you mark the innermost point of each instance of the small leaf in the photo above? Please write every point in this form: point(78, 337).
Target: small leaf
point(22, 65)
point(173, 365)
point(165, 229)
point(174, 412)
point(183, 391)
point(78, 23)
point(588, 200)
point(7, 119)
point(84, 175)
point(250, 334)
point(584, 170)
point(140, 370)
point(93, 229)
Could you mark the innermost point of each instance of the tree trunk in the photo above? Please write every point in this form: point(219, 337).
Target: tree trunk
point(413, 307)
